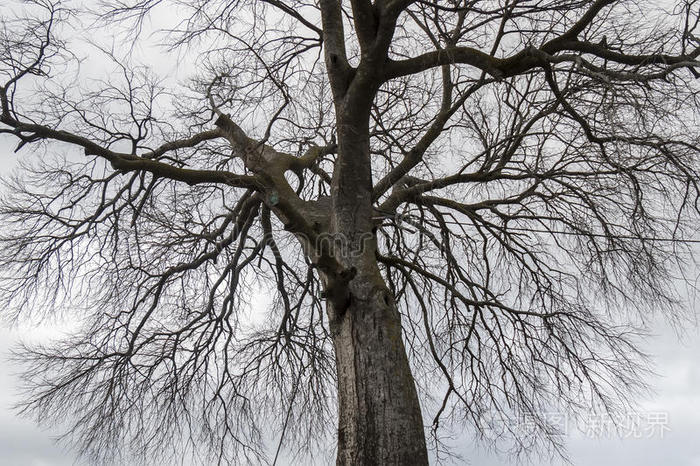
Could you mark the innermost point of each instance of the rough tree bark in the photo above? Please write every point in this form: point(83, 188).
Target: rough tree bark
point(379, 415)
point(380, 419)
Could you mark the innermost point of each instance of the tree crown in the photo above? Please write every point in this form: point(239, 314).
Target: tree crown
point(532, 174)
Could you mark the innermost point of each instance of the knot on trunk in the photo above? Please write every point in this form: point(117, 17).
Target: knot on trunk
point(337, 292)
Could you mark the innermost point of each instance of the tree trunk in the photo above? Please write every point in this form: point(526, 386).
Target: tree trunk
point(380, 421)
point(379, 416)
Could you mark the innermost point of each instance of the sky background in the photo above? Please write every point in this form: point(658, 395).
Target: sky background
point(22, 443)
point(677, 394)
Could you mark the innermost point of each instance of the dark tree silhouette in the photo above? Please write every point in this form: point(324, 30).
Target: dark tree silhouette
point(405, 218)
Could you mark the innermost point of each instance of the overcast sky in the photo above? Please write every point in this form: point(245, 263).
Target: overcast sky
point(24, 444)
point(677, 397)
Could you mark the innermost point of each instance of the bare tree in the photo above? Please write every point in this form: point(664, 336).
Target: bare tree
point(473, 203)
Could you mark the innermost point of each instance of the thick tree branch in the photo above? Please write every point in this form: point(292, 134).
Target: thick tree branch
point(339, 70)
point(527, 59)
point(130, 162)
